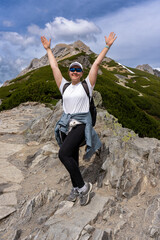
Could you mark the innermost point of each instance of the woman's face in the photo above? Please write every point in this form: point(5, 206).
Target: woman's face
point(75, 76)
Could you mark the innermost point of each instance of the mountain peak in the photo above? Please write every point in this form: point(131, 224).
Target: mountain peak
point(81, 46)
point(146, 68)
point(60, 51)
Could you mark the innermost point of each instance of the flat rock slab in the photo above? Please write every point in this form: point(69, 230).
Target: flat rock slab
point(6, 211)
point(70, 224)
point(8, 172)
point(11, 174)
point(7, 149)
point(15, 187)
point(8, 199)
point(64, 207)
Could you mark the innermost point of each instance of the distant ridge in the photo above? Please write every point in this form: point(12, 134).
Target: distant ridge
point(149, 69)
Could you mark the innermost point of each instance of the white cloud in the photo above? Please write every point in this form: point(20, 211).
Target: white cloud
point(17, 39)
point(15, 57)
point(21, 63)
point(62, 29)
point(138, 32)
point(18, 50)
point(10, 68)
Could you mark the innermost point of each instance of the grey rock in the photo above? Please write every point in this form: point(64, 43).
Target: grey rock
point(6, 211)
point(64, 208)
point(35, 203)
point(131, 175)
point(71, 227)
point(102, 235)
point(156, 72)
point(146, 68)
point(121, 77)
point(119, 226)
point(152, 219)
point(89, 228)
point(49, 149)
point(17, 235)
point(97, 99)
point(9, 199)
point(42, 219)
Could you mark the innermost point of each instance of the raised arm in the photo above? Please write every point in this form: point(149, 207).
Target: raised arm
point(53, 63)
point(94, 69)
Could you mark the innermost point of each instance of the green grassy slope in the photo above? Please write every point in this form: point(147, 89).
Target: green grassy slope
point(136, 107)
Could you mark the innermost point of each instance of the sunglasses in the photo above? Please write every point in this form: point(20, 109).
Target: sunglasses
point(75, 69)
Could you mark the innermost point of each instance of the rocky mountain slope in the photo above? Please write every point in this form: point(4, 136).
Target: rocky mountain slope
point(60, 51)
point(63, 51)
point(149, 69)
point(34, 185)
point(127, 93)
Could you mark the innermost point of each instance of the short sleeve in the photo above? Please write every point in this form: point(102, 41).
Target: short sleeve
point(64, 81)
point(89, 86)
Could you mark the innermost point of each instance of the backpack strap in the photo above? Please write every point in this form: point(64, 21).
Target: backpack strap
point(85, 86)
point(65, 86)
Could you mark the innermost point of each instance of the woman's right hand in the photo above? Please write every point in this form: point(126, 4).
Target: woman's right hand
point(45, 42)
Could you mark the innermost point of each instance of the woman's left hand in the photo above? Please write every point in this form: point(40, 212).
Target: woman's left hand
point(110, 40)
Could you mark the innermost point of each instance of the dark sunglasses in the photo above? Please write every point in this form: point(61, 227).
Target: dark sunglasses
point(75, 69)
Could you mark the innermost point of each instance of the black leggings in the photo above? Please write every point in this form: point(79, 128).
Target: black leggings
point(69, 153)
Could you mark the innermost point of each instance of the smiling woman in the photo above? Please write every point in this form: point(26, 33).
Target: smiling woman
point(75, 125)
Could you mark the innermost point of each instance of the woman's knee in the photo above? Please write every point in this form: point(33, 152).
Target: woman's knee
point(62, 154)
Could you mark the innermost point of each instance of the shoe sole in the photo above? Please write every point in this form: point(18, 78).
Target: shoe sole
point(73, 200)
point(88, 197)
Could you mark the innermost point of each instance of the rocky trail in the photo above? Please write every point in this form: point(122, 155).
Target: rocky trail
point(125, 202)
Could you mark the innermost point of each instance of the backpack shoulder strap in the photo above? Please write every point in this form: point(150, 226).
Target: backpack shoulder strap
point(65, 86)
point(84, 84)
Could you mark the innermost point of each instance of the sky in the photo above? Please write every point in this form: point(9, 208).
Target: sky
point(135, 22)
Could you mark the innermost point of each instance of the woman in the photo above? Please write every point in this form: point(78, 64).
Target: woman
point(75, 125)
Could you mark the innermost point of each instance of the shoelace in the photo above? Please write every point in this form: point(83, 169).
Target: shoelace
point(74, 192)
point(81, 195)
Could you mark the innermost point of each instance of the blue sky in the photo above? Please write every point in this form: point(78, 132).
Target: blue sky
point(136, 23)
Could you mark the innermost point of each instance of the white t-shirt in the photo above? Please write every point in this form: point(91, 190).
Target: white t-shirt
point(75, 99)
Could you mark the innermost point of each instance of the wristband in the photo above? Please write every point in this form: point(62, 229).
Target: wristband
point(107, 46)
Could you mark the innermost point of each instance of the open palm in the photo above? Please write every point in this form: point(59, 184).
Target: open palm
point(110, 40)
point(45, 42)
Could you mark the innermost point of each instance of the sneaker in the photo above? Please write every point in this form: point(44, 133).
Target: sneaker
point(73, 195)
point(85, 196)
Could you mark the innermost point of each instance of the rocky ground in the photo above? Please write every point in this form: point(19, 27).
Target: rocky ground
point(125, 202)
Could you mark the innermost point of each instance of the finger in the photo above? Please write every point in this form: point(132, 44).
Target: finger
point(42, 38)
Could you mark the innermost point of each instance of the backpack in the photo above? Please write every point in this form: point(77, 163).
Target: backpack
point(92, 107)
